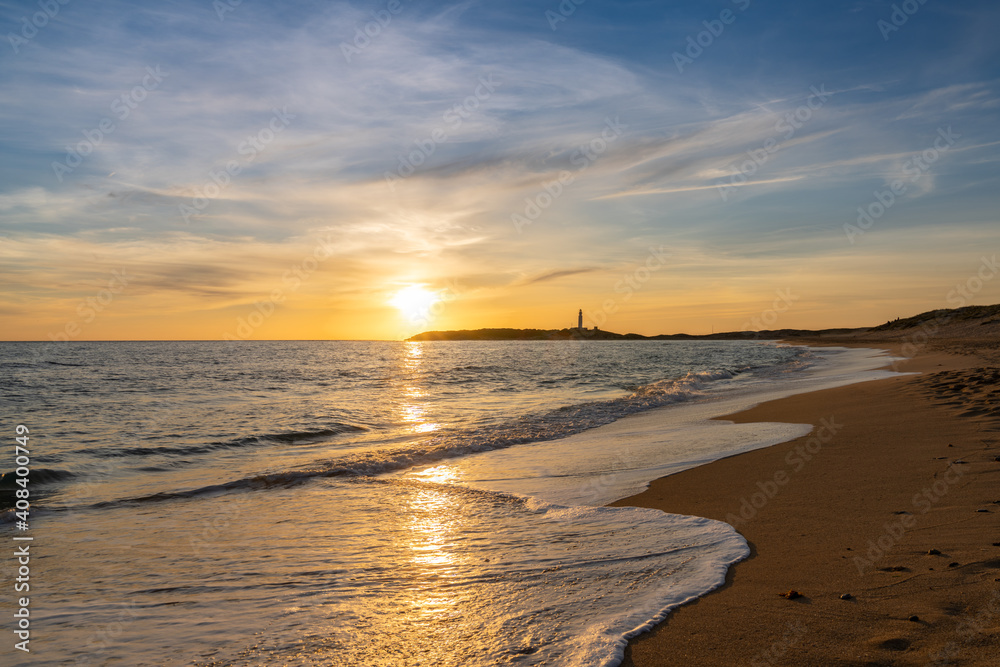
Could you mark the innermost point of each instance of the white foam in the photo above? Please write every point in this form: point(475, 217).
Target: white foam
point(618, 460)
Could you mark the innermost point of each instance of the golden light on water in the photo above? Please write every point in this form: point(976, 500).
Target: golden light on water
point(416, 416)
point(413, 409)
point(432, 526)
point(440, 474)
point(433, 564)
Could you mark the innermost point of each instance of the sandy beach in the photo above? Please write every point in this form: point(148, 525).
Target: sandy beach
point(875, 539)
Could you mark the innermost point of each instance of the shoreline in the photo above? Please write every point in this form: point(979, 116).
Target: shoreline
point(856, 507)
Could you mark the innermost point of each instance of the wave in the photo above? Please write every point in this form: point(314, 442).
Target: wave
point(296, 436)
point(693, 382)
point(266, 481)
point(8, 480)
point(550, 425)
point(36, 477)
point(289, 437)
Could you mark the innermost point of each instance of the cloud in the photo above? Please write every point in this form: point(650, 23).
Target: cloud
point(469, 110)
point(553, 275)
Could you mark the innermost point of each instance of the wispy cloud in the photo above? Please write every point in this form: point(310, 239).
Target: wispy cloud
point(553, 275)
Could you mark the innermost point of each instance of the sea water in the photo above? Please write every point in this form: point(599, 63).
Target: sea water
point(374, 503)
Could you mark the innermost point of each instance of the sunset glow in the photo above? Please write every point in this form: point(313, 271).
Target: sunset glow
point(415, 302)
point(522, 164)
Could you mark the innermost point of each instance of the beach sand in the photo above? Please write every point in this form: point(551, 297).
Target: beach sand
point(893, 499)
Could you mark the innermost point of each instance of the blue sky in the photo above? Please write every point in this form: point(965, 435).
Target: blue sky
point(430, 153)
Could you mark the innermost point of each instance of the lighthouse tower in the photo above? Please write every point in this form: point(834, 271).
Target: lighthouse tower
point(579, 320)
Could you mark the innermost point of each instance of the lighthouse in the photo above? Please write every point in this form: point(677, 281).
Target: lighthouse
point(579, 320)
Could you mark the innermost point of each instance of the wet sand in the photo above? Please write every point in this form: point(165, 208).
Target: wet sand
point(883, 523)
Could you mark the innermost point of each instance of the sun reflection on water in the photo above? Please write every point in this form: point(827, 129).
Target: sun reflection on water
point(438, 563)
point(413, 407)
point(431, 528)
point(445, 473)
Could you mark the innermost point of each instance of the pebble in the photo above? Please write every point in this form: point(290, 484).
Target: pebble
point(982, 510)
point(952, 564)
point(846, 596)
point(933, 552)
point(791, 595)
point(915, 618)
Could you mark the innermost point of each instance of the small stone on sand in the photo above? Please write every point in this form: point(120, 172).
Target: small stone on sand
point(846, 596)
point(933, 552)
point(791, 595)
point(915, 618)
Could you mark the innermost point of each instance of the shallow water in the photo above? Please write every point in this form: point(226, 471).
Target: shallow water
point(311, 503)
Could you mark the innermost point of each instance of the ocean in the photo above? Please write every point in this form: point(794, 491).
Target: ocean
point(373, 503)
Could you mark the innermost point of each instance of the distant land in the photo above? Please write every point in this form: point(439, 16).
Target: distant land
point(965, 322)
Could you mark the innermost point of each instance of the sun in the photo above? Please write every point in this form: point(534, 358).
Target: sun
point(415, 302)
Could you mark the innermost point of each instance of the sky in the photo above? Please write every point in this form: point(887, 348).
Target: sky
point(242, 169)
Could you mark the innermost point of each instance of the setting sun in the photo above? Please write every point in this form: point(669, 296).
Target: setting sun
point(415, 301)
